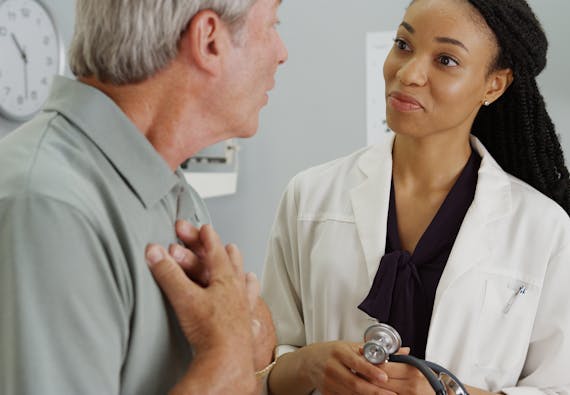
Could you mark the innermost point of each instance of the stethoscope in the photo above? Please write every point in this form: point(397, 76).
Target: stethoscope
point(381, 341)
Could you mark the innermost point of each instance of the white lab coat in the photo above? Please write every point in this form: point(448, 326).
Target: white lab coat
point(329, 236)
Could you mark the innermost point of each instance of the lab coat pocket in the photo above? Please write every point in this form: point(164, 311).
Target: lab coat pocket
point(505, 324)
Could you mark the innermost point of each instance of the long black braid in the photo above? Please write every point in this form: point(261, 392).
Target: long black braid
point(517, 129)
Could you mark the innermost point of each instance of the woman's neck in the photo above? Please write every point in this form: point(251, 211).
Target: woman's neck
point(431, 163)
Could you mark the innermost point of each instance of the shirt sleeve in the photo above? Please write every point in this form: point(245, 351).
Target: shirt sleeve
point(546, 367)
point(64, 321)
point(281, 276)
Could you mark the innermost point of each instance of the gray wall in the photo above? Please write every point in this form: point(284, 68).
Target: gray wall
point(317, 111)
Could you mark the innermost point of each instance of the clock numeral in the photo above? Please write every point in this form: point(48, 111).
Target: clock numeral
point(12, 15)
point(20, 100)
point(44, 81)
point(34, 95)
point(26, 12)
point(3, 31)
point(49, 61)
point(46, 40)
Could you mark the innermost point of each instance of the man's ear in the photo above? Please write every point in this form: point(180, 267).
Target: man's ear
point(204, 41)
point(499, 82)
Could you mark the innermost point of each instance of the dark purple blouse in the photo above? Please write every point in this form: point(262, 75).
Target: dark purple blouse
point(403, 291)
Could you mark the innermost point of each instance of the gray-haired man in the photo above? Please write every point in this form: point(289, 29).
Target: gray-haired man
point(91, 180)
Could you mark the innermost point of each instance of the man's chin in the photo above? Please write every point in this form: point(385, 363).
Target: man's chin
point(248, 134)
point(249, 131)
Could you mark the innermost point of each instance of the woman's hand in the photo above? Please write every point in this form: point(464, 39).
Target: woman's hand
point(339, 368)
point(404, 379)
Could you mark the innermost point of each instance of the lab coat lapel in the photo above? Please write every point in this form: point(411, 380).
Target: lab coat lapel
point(472, 246)
point(370, 201)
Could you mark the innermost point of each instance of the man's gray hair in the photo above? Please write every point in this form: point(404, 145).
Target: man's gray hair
point(128, 41)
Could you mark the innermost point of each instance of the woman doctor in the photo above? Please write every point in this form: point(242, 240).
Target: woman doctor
point(454, 231)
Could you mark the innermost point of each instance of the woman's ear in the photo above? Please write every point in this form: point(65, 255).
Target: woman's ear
point(204, 41)
point(498, 82)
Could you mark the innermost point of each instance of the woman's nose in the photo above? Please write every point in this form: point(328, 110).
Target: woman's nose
point(413, 72)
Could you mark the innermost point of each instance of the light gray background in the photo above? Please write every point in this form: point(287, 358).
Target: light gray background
point(317, 111)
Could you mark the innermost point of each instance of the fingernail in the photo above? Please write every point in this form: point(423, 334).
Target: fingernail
point(178, 253)
point(383, 377)
point(154, 255)
point(185, 227)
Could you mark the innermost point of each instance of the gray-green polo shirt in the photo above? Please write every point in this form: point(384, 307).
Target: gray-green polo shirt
point(82, 192)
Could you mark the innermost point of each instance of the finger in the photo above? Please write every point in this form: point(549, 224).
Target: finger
point(365, 369)
point(190, 236)
point(351, 382)
point(235, 257)
point(190, 263)
point(252, 289)
point(405, 379)
point(404, 351)
point(216, 258)
point(396, 370)
point(170, 277)
point(209, 238)
point(184, 257)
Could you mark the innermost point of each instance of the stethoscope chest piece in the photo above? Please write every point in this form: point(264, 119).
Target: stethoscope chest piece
point(380, 341)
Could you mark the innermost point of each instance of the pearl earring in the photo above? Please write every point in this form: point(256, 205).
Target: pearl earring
point(486, 103)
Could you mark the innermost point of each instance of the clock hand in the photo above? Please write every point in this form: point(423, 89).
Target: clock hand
point(26, 78)
point(22, 52)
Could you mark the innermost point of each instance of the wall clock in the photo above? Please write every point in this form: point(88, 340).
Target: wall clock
point(31, 54)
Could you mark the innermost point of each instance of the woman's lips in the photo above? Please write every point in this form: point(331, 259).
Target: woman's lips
point(404, 103)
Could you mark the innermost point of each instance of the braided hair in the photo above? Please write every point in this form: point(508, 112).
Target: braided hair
point(516, 129)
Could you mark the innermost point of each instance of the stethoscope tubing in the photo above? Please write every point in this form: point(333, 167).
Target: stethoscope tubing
point(425, 368)
point(440, 369)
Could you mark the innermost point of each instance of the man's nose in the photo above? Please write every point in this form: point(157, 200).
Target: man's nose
point(283, 52)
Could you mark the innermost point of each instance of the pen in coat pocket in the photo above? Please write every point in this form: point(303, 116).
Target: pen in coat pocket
point(520, 291)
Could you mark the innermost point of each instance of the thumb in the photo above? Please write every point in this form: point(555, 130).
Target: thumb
point(404, 351)
point(170, 277)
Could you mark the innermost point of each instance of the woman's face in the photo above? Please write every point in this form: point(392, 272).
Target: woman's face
point(437, 73)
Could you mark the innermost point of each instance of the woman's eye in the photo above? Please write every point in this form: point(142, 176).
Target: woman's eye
point(401, 44)
point(448, 61)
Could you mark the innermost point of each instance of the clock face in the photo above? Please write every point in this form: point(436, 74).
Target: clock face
point(31, 55)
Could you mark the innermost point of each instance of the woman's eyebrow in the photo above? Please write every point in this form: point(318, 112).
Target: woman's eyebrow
point(408, 27)
point(452, 41)
point(444, 40)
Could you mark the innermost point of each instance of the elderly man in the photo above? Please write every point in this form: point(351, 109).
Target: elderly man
point(93, 178)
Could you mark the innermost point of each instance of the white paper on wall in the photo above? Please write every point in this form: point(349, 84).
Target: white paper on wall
point(378, 45)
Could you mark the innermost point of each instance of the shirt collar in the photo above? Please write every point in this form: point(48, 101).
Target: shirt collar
point(104, 123)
